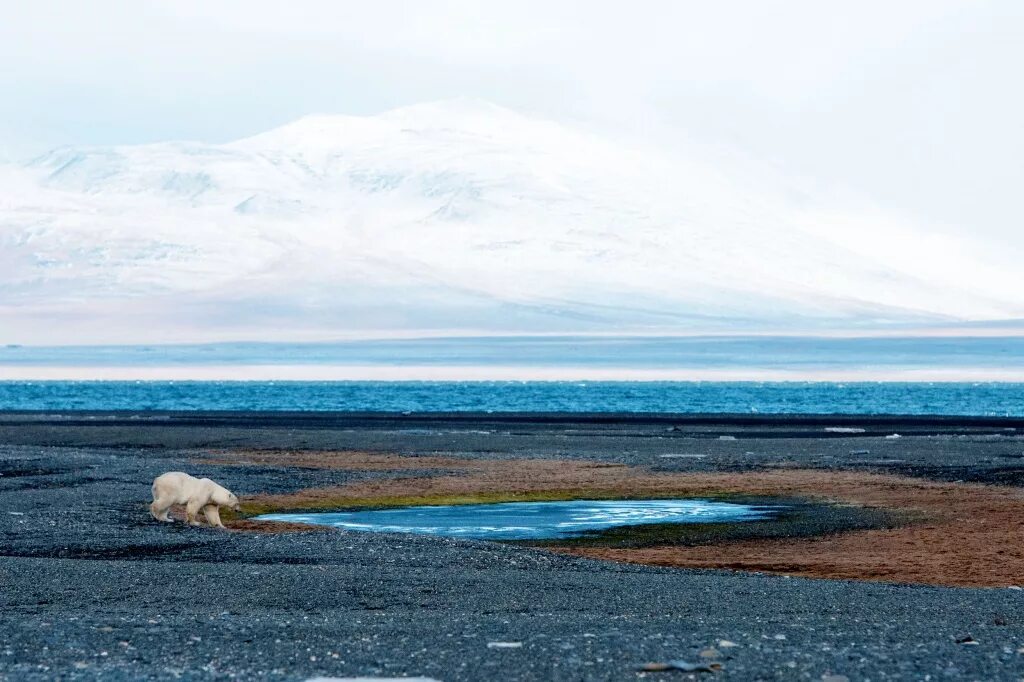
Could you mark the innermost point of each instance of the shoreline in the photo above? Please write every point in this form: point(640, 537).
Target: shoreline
point(872, 424)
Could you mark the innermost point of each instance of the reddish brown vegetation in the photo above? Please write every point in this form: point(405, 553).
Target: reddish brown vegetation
point(972, 535)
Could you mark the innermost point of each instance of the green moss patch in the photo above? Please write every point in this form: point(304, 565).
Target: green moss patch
point(299, 504)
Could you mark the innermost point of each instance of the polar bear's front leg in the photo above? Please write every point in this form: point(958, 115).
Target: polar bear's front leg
point(159, 510)
point(191, 510)
point(212, 514)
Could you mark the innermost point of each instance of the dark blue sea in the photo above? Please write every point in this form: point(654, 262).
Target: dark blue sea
point(988, 399)
point(792, 354)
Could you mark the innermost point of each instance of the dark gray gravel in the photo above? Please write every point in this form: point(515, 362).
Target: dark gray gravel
point(91, 587)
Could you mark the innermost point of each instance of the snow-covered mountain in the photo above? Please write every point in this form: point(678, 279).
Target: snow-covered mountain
point(454, 216)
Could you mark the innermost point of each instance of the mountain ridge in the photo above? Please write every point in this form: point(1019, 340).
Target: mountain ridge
point(457, 215)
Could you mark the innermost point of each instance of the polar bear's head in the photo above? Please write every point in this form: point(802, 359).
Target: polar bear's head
point(223, 497)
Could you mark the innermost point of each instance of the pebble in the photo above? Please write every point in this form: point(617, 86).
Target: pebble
point(685, 666)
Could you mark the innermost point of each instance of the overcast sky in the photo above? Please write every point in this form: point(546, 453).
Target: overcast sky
point(916, 104)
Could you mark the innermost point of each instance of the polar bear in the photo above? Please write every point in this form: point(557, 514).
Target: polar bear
point(176, 487)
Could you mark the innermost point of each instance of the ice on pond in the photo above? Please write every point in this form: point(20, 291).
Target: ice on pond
point(529, 520)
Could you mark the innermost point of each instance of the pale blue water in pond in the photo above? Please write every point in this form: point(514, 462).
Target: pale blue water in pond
point(529, 520)
point(980, 399)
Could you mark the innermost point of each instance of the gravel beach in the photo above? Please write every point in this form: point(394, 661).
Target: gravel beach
point(92, 587)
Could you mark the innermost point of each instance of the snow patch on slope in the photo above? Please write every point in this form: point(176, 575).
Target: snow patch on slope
point(455, 215)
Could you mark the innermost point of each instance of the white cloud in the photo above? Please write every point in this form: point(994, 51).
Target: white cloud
point(914, 103)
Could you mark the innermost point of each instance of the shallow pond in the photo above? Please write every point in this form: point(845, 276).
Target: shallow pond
point(530, 520)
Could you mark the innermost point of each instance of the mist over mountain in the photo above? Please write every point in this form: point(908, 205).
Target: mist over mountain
point(456, 217)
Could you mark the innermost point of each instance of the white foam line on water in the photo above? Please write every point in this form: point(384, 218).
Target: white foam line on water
point(493, 373)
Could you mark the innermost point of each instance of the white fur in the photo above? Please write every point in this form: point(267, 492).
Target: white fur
point(196, 494)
